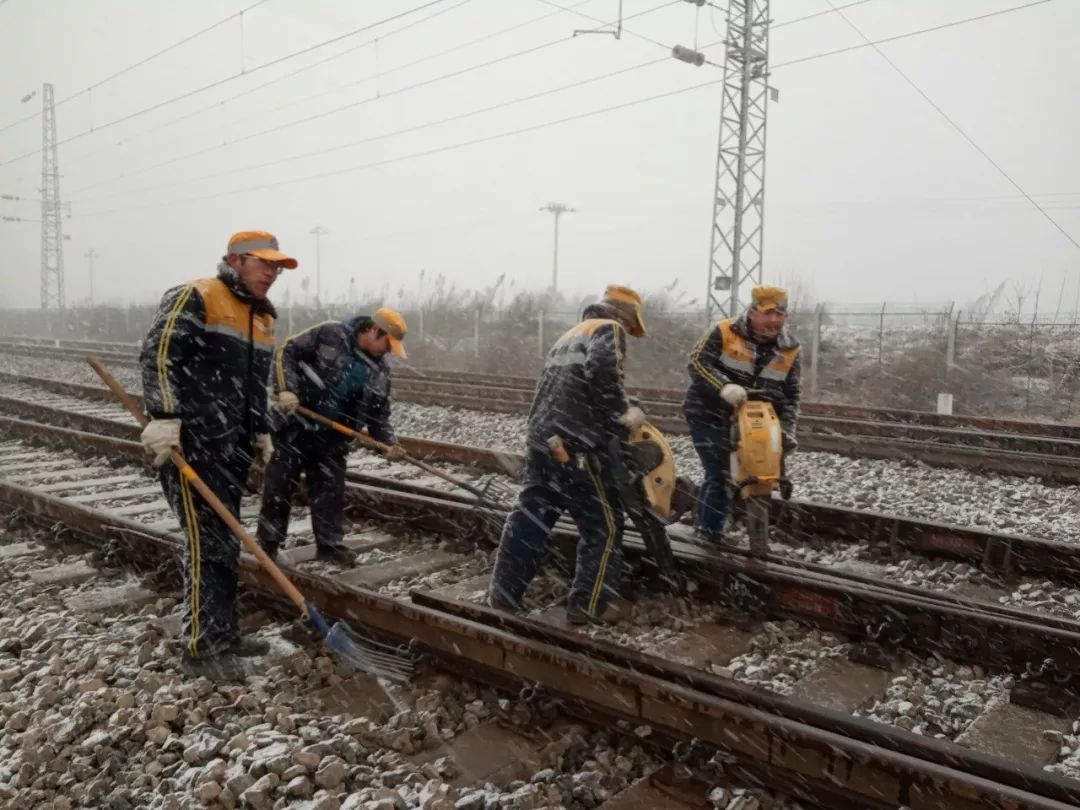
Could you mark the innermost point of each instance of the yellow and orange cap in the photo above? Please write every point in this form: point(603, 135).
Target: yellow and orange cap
point(262, 245)
point(765, 298)
point(628, 302)
point(393, 323)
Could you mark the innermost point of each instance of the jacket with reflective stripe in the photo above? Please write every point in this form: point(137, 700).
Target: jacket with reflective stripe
point(580, 394)
point(206, 359)
point(727, 354)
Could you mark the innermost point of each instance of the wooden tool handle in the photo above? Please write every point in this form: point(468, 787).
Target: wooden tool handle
point(188, 472)
point(374, 444)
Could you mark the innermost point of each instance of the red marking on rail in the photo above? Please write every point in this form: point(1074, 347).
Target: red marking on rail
point(952, 543)
point(807, 601)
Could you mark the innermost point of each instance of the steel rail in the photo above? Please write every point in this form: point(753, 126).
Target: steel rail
point(925, 621)
point(596, 683)
point(795, 521)
point(520, 388)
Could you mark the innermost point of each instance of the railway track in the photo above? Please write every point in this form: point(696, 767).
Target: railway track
point(1045, 451)
point(91, 498)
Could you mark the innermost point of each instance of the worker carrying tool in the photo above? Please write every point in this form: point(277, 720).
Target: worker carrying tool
point(337, 369)
point(754, 351)
point(205, 362)
point(579, 406)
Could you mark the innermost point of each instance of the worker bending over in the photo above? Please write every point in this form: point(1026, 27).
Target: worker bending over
point(754, 351)
point(579, 407)
point(205, 363)
point(337, 369)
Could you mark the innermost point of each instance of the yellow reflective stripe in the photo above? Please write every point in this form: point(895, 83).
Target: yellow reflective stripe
point(695, 361)
point(163, 348)
point(609, 544)
point(192, 525)
point(279, 363)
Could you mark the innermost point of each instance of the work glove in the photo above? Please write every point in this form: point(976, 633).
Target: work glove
point(734, 395)
point(633, 418)
point(788, 443)
point(159, 437)
point(287, 403)
point(264, 449)
point(395, 452)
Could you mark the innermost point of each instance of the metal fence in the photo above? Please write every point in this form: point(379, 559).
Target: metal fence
point(882, 355)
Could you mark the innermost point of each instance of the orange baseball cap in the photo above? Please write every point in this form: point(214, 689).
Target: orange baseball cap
point(393, 323)
point(261, 245)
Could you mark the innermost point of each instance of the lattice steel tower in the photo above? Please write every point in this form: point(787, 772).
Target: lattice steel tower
point(52, 235)
point(735, 250)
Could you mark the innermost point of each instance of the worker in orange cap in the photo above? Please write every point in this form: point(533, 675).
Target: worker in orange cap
point(338, 369)
point(752, 351)
point(205, 363)
point(579, 407)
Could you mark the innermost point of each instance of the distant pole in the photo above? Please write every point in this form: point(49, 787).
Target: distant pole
point(557, 209)
point(92, 254)
point(319, 232)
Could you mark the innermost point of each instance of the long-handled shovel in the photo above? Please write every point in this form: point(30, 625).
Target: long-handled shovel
point(484, 496)
point(340, 639)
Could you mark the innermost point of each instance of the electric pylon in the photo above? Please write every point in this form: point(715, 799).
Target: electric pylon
point(52, 235)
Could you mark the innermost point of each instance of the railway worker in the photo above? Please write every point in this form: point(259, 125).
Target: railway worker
point(753, 351)
point(338, 369)
point(205, 363)
point(579, 407)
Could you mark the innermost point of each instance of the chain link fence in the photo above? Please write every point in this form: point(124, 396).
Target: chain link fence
point(884, 355)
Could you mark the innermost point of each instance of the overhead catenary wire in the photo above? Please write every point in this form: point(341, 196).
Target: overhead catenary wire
point(510, 133)
point(395, 133)
point(276, 80)
point(960, 130)
point(140, 63)
point(919, 32)
point(351, 105)
point(227, 79)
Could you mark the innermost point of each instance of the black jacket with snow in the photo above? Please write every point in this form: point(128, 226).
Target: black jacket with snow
point(206, 360)
point(580, 394)
point(328, 373)
point(728, 354)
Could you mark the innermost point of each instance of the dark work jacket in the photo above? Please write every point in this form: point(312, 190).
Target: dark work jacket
point(206, 360)
point(329, 374)
point(580, 395)
point(775, 367)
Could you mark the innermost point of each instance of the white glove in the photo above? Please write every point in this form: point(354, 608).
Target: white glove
point(633, 418)
point(287, 403)
point(264, 449)
point(395, 452)
point(734, 395)
point(159, 437)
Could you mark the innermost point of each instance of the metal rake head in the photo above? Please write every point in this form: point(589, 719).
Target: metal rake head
point(363, 654)
point(495, 500)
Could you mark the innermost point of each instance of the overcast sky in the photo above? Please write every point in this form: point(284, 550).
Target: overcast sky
point(870, 193)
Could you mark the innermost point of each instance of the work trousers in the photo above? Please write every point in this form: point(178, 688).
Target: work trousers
point(585, 489)
point(212, 552)
point(712, 440)
point(318, 455)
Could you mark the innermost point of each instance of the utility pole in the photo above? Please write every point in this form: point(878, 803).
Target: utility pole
point(557, 209)
point(319, 232)
point(738, 221)
point(52, 235)
point(92, 254)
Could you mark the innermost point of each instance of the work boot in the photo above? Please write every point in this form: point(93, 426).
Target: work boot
point(501, 603)
point(249, 647)
point(221, 667)
point(271, 551)
point(342, 555)
point(612, 614)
